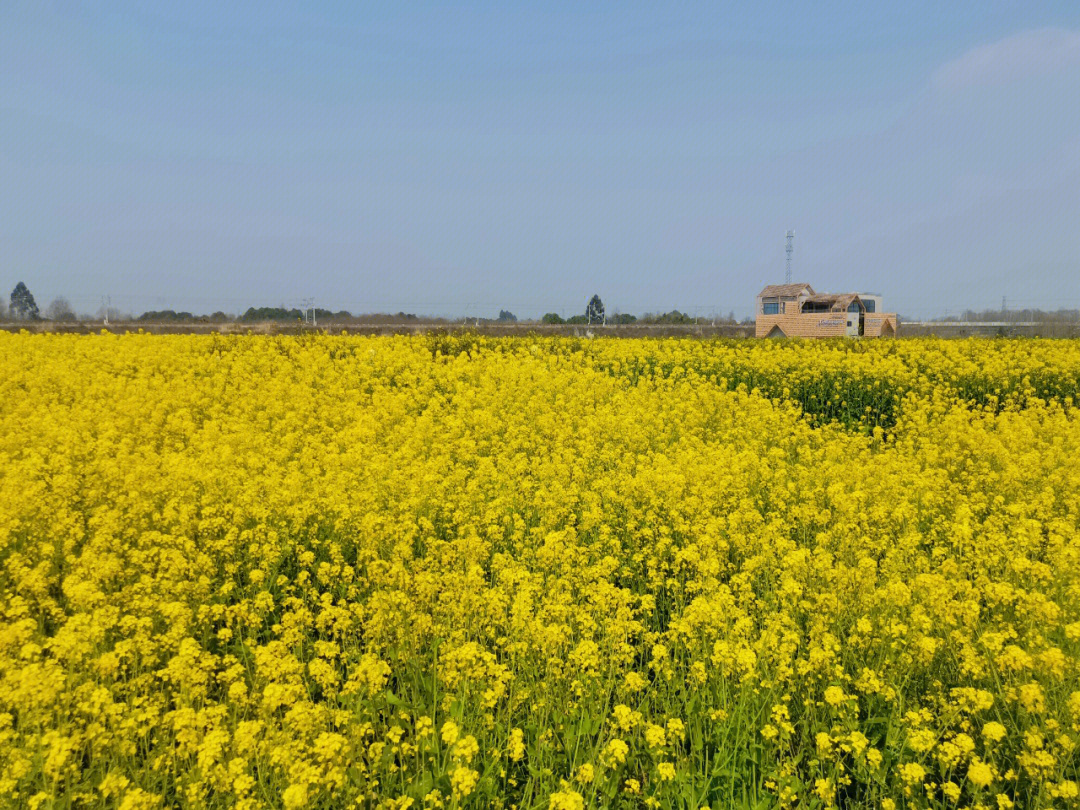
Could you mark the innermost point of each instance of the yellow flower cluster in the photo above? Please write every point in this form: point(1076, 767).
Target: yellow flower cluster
point(448, 571)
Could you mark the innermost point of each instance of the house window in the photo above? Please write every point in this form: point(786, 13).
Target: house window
point(770, 306)
point(870, 304)
point(853, 306)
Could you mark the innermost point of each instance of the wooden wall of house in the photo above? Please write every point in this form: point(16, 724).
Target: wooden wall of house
point(795, 324)
point(875, 322)
point(822, 324)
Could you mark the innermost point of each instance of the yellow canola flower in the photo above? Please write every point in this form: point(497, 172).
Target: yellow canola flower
point(294, 796)
point(466, 748)
point(912, 772)
point(994, 731)
point(566, 800)
point(449, 732)
point(980, 773)
point(463, 780)
point(249, 569)
point(655, 737)
point(614, 753)
point(516, 746)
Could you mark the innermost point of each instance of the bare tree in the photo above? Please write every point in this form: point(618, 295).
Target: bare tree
point(110, 313)
point(60, 310)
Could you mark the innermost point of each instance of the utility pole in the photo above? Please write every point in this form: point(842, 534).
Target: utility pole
point(789, 249)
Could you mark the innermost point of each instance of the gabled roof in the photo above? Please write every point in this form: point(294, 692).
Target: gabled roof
point(836, 301)
point(843, 301)
point(785, 289)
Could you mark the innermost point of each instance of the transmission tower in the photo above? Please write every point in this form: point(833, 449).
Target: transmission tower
point(788, 250)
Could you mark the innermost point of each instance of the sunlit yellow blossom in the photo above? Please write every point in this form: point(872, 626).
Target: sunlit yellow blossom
point(614, 753)
point(825, 789)
point(463, 780)
point(834, 696)
point(922, 740)
point(655, 735)
point(625, 717)
point(979, 773)
point(994, 731)
point(676, 729)
point(449, 732)
point(823, 741)
point(1066, 789)
point(912, 772)
point(294, 796)
point(516, 745)
point(566, 800)
point(244, 570)
point(1032, 698)
point(466, 748)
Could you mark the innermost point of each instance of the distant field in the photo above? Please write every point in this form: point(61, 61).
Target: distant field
point(451, 570)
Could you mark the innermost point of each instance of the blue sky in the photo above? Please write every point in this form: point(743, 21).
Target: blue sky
point(449, 159)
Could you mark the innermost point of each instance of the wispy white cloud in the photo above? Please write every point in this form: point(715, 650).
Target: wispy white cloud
point(1039, 52)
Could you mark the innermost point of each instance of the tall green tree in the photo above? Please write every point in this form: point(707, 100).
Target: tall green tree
point(594, 311)
point(23, 307)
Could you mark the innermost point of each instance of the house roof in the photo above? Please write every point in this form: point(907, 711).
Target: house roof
point(785, 289)
point(836, 301)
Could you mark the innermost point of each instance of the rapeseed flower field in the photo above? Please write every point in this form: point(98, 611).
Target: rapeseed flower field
point(454, 571)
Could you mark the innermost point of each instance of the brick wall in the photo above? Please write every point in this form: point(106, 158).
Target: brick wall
point(822, 324)
point(876, 322)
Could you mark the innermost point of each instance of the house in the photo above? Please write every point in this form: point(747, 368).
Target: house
point(795, 310)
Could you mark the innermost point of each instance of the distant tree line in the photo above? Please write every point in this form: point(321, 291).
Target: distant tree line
point(1029, 314)
point(171, 316)
point(23, 307)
